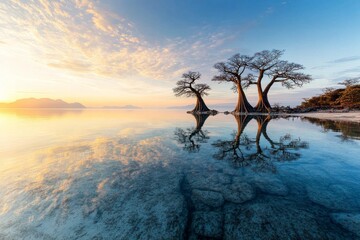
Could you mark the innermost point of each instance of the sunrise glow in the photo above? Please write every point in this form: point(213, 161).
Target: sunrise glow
point(104, 53)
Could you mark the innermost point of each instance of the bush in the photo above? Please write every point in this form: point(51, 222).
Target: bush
point(348, 97)
point(351, 97)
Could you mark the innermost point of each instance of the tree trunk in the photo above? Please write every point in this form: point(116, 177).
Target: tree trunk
point(200, 120)
point(263, 103)
point(264, 97)
point(242, 121)
point(262, 122)
point(200, 105)
point(264, 131)
point(258, 134)
point(243, 106)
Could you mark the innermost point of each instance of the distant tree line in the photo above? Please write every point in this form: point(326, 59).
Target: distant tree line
point(348, 97)
point(242, 71)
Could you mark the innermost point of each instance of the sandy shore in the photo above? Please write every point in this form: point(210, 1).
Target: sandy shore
point(338, 116)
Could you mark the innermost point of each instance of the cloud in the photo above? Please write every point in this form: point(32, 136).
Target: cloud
point(346, 59)
point(321, 67)
point(74, 66)
point(84, 37)
point(350, 71)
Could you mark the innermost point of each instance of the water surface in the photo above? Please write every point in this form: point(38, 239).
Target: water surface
point(117, 174)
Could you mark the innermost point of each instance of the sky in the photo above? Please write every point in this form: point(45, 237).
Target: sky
point(107, 52)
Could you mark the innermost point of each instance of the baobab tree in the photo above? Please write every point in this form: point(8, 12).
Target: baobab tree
point(246, 151)
point(232, 149)
point(187, 87)
point(232, 71)
point(192, 138)
point(261, 63)
point(286, 74)
point(268, 63)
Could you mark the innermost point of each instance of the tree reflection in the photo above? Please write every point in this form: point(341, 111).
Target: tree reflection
point(231, 149)
point(191, 138)
point(246, 151)
point(348, 130)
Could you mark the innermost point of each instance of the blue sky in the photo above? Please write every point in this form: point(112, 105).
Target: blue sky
point(133, 52)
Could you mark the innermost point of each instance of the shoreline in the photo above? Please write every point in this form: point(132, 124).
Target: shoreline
point(335, 116)
point(350, 116)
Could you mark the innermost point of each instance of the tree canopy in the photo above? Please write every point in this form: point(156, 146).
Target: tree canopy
point(244, 71)
point(188, 88)
point(232, 71)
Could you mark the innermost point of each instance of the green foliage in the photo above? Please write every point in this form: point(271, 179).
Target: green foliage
point(348, 97)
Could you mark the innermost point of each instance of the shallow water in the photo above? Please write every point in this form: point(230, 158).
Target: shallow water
point(116, 174)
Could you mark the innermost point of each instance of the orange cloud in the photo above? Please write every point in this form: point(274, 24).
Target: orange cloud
point(81, 36)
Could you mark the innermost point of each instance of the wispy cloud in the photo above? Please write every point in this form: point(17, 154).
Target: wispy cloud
point(350, 71)
point(321, 67)
point(346, 59)
point(82, 36)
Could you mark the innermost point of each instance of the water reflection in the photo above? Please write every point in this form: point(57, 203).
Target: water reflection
point(243, 150)
point(191, 138)
point(348, 130)
point(103, 188)
point(122, 175)
point(40, 113)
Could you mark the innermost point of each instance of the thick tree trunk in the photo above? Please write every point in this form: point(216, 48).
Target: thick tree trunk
point(243, 106)
point(263, 103)
point(265, 94)
point(200, 105)
point(264, 131)
point(242, 121)
point(200, 120)
point(262, 122)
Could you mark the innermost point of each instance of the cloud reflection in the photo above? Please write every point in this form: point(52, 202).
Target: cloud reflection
point(62, 188)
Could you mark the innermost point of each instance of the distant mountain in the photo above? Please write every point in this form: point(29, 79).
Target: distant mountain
point(228, 106)
point(40, 103)
point(122, 107)
point(181, 107)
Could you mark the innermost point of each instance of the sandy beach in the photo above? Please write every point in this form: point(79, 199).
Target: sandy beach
point(353, 116)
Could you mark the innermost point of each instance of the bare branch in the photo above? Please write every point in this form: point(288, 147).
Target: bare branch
point(287, 74)
point(266, 60)
point(186, 87)
point(350, 82)
point(232, 70)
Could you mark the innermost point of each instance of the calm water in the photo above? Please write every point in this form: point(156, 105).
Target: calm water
point(169, 175)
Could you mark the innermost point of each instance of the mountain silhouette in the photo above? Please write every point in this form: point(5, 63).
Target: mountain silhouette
point(41, 103)
point(122, 107)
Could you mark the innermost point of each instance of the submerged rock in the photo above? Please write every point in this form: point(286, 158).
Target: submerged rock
point(213, 181)
point(208, 224)
point(349, 221)
point(271, 185)
point(151, 208)
point(274, 218)
point(238, 192)
point(210, 198)
point(211, 112)
point(336, 197)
